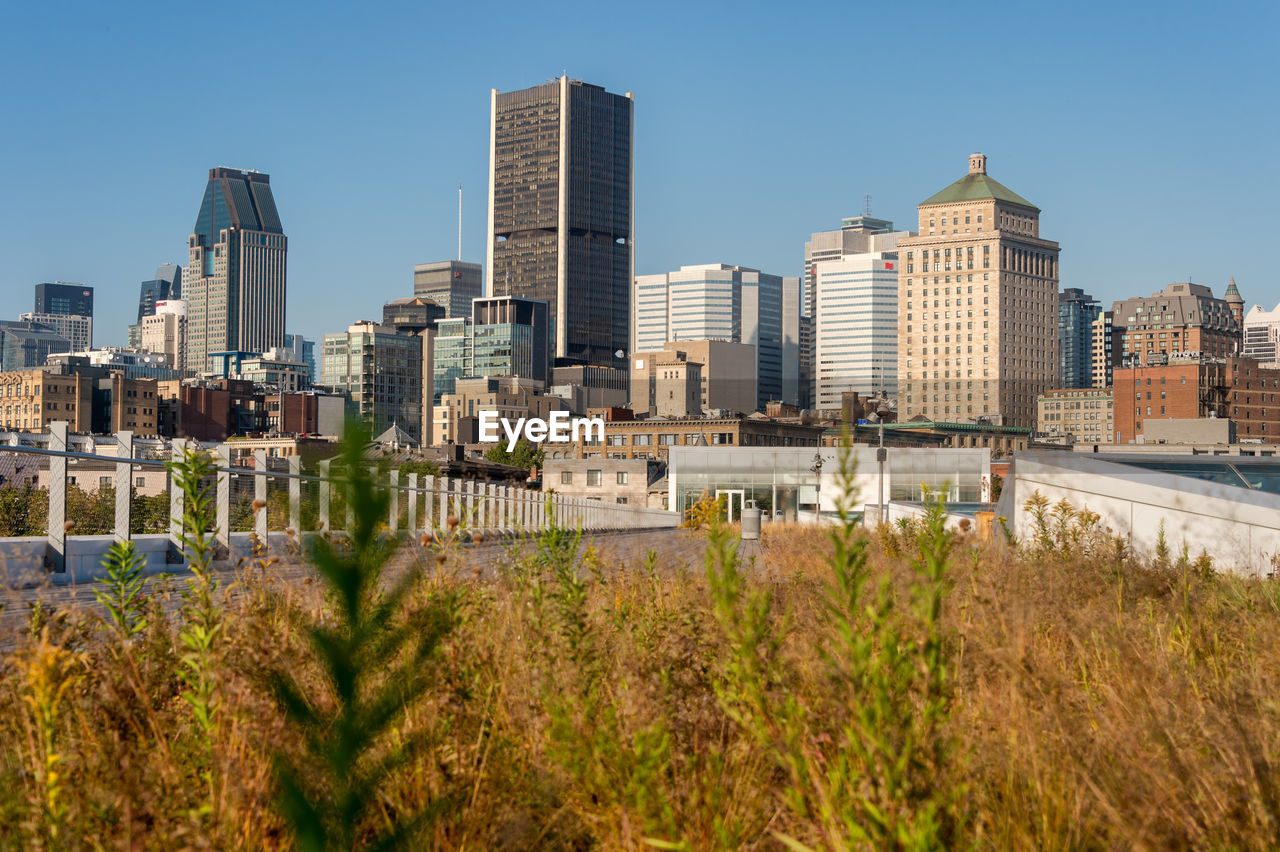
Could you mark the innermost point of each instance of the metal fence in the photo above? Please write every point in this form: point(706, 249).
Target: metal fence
point(419, 504)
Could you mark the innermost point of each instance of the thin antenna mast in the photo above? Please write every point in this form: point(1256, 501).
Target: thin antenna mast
point(459, 220)
point(867, 202)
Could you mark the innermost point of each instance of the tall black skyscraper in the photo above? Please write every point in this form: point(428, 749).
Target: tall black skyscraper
point(560, 213)
point(65, 299)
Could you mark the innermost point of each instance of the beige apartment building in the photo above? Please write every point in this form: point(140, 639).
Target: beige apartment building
point(977, 306)
point(32, 399)
point(689, 377)
point(1076, 415)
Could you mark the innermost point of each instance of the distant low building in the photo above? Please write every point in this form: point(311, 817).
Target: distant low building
point(652, 438)
point(25, 345)
point(133, 363)
point(625, 481)
point(77, 329)
point(1076, 415)
point(725, 379)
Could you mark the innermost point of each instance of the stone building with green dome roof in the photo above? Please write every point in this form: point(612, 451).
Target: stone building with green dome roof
point(977, 306)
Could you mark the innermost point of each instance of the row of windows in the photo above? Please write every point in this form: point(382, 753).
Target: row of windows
point(593, 477)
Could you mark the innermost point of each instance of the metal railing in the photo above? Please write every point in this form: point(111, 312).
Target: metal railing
point(420, 503)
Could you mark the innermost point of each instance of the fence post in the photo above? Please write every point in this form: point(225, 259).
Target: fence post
point(469, 515)
point(177, 506)
point(446, 489)
point(456, 497)
point(124, 485)
point(260, 493)
point(428, 498)
point(295, 497)
point(411, 518)
point(56, 543)
point(326, 491)
point(393, 522)
point(223, 525)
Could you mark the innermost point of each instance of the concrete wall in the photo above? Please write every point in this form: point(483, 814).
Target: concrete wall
point(1193, 430)
point(1238, 527)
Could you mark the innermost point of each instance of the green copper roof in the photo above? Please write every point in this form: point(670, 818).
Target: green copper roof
point(976, 187)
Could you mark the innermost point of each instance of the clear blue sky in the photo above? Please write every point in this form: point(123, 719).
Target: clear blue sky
point(1145, 132)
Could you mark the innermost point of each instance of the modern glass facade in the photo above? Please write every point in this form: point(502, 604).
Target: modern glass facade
point(64, 298)
point(381, 374)
point(1076, 314)
point(782, 481)
point(560, 213)
point(505, 336)
point(24, 345)
point(166, 285)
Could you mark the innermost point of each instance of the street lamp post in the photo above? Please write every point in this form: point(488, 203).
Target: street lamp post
point(816, 470)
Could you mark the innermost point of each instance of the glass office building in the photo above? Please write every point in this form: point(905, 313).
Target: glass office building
point(505, 336)
point(784, 484)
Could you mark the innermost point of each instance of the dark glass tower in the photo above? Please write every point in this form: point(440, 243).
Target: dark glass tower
point(166, 285)
point(1076, 312)
point(64, 299)
point(560, 213)
point(234, 281)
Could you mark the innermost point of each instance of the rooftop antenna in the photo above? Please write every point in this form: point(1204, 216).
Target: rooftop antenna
point(459, 220)
point(867, 203)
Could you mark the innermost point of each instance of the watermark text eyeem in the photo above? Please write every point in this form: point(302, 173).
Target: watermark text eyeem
point(560, 429)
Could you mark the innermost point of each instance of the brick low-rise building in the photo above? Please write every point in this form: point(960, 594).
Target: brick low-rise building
point(1237, 389)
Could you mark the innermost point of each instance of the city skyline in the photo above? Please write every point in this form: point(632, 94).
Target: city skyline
point(109, 212)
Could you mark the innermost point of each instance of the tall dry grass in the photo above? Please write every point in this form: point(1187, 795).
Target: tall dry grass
point(1060, 695)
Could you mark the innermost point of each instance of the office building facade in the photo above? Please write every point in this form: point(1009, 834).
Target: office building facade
point(302, 351)
point(24, 345)
point(451, 284)
point(977, 306)
point(505, 336)
point(166, 285)
point(165, 330)
point(855, 311)
point(561, 215)
point(1076, 416)
point(78, 329)
point(1102, 349)
point(234, 281)
point(1077, 312)
point(385, 376)
point(1262, 334)
point(725, 379)
point(731, 303)
point(67, 309)
point(64, 298)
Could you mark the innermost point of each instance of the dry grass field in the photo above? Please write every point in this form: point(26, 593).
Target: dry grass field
point(901, 688)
